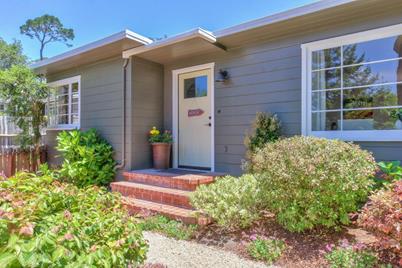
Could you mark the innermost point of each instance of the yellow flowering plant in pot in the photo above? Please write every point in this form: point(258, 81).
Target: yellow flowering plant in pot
point(161, 146)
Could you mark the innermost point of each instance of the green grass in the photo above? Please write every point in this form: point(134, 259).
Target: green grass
point(168, 227)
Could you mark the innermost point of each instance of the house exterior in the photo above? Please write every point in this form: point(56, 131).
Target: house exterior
point(330, 69)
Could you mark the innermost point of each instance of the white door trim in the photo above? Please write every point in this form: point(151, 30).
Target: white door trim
point(175, 107)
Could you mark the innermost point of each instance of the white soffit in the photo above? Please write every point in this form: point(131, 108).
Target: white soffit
point(193, 34)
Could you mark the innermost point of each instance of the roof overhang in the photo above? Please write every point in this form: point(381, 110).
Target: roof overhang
point(282, 16)
point(177, 47)
point(305, 18)
point(105, 48)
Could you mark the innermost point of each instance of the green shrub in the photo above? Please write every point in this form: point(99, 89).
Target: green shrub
point(309, 182)
point(346, 257)
point(232, 202)
point(88, 159)
point(46, 223)
point(266, 128)
point(266, 250)
point(168, 227)
point(390, 173)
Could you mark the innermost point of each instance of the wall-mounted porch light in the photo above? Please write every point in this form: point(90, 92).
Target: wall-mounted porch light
point(223, 76)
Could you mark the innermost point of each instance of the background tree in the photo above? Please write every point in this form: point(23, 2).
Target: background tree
point(11, 54)
point(25, 94)
point(47, 29)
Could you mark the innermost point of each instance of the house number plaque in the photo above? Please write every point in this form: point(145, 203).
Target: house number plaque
point(195, 112)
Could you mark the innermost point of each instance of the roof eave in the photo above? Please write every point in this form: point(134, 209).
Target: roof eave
point(195, 33)
point(126, 34)
point(282, 16)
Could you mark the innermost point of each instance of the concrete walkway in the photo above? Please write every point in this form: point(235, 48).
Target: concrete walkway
point(186, 254)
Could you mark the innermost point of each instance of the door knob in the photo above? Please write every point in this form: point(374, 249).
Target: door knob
point(209, 124)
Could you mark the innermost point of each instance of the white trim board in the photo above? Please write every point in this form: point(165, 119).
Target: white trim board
point(175, 112)
point(348, 135)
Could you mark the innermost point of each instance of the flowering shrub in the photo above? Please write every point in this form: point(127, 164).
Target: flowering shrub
point(157, 136)
point(309, 182)
point(232, 202)
point(383, 216)
point(267, 250)
point(346, 256)
point(266, 128)
point(46, 223)
point(88, 159)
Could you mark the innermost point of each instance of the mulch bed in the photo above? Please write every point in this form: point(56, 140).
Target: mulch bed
point(303, 249)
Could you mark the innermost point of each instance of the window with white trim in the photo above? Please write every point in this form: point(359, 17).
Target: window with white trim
point(353, 86)
point(63, 108)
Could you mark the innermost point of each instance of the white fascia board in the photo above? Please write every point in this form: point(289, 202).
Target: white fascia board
point(102, 42)
point(198, 32)
point(282, 16)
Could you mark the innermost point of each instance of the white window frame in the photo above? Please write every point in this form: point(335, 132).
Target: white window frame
point(68, 81)
point(348, 135)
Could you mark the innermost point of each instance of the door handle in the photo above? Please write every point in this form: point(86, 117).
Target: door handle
point(209, 124)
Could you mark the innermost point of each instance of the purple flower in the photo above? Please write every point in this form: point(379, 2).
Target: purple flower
point(253, 237)
point(344, 243)
point(329, 247)
point(359, 246)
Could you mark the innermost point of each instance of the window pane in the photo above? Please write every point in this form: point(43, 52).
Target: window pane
point(74, 108)
point(62, 90)
point(375, 96)
point(75, 119)
point(74, 87)
point(381, 49)
point(63, 109)
point(62, 119)
point(327, 58)
point(326, 100)
point(380, 119)
point(322, 121)
point(326, 79)
point(196, 87)
point(62, 99)
point(375, 73)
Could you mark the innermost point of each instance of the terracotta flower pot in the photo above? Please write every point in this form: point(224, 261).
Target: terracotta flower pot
point(161, 155)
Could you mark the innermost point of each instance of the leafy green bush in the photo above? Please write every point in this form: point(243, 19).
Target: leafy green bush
point(46, 223)
point(168, 227)
point(267, 250)
point(309, 182)
point(88, 159)
point(266, 128)
point(350, 256)
point(390, 172)
point(231, 201)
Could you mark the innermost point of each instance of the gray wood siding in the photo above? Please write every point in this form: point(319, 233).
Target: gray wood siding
point(266, 76)
point(147, 108)
point(101, 103)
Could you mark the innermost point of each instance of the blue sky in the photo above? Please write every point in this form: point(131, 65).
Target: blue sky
point(95, 19)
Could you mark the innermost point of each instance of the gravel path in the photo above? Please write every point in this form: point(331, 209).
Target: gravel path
point(186, 254)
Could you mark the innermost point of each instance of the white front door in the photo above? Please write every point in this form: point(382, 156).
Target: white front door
point(195, 119)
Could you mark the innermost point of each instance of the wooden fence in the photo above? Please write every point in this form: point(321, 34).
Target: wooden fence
point(14, 159)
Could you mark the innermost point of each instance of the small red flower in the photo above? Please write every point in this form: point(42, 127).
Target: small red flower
point(27, 230)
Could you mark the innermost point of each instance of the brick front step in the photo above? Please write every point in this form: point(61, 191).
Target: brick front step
point(171, 178)
point(187, 216)
point(168, 196)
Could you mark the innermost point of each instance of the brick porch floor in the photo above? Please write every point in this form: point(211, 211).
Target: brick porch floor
point(164, 192)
